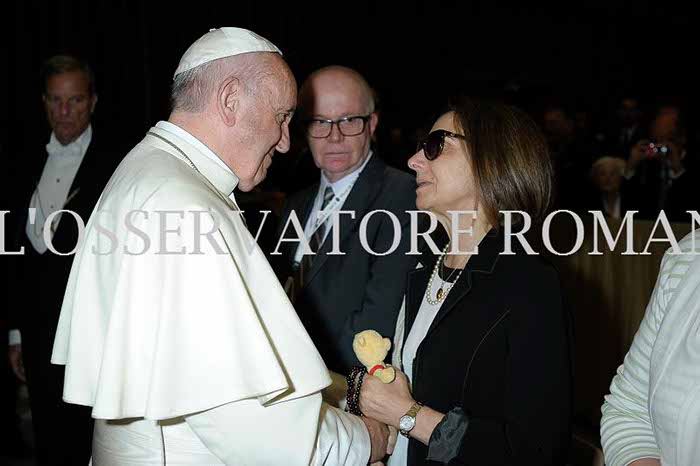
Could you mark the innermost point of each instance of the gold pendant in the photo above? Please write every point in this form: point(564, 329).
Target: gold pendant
point(439, 294)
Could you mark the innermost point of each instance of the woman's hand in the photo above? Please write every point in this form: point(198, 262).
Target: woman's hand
point(386, 402)
point(646, 462)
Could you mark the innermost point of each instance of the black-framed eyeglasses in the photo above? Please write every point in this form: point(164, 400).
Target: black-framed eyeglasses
point(320, 128)
point(433, 144)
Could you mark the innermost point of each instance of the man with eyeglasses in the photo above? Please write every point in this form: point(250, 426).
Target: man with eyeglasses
point(68, 173)
point(337, 296)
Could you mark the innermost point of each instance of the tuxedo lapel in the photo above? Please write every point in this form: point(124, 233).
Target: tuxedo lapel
point(86, 178)
point(361, 197)
point(34, 169)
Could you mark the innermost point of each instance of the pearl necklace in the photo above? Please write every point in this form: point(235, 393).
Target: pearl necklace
point(442, 293)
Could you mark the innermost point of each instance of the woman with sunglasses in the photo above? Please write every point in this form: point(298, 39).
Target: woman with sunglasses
point(482, 343)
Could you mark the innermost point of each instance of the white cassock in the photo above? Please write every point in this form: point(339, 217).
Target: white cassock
point(176, 331)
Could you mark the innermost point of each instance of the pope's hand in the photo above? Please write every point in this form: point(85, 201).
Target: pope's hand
point(393, 434)
point(379, 438)
point(386, 402)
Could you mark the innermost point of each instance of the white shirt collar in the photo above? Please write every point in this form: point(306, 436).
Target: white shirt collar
point(340, 185)
point(185, 135)
point(614, 210)
point(76, 148)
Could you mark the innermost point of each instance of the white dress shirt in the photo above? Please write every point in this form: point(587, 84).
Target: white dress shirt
point(53, 190)
point(419, 329)
point(341, 190)
point(612, 210)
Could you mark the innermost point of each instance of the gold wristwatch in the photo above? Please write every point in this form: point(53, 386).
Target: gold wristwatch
point(408, 420)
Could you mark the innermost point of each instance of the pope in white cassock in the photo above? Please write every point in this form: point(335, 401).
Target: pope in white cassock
point(173, 327)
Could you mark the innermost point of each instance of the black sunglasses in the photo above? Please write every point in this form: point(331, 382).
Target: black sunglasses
point(433, 144)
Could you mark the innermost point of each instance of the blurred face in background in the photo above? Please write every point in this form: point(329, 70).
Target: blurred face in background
point(629, 112)
point(558, 126)
point(607, 175)
point(69, 104)
point(665, 126)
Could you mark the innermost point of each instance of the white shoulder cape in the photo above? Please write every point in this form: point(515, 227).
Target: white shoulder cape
point(161, 334)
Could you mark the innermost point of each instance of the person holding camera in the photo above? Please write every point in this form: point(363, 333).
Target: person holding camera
point(656, 168)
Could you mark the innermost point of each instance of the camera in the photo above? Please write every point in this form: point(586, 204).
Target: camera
point(657, 150)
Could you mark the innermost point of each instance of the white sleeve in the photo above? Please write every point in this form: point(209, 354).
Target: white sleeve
point(342, 439)
point(304, 431)
point(626, 430)
point(14, 337)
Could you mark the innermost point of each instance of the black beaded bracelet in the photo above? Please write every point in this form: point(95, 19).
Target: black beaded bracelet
point(358, 388)
point(354, 379)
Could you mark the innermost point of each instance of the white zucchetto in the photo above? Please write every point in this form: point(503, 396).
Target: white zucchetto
point(221, 43)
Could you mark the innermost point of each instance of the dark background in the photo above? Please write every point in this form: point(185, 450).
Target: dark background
point(415, 54)
point(584, 54)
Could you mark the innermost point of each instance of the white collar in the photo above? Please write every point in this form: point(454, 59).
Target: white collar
point(342, 184)
point(77, 147)
point(189, 138)
point(220, 176)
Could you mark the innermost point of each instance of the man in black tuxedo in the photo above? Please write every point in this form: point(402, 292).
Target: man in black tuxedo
point(68, 173)
point(337, 296)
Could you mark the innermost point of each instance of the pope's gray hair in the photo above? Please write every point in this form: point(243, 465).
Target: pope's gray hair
point(192, 89)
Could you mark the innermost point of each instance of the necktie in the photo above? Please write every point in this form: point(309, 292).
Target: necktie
point(314, 244)
point(317, 237)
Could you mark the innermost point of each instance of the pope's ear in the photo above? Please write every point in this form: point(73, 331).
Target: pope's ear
point(228, 100)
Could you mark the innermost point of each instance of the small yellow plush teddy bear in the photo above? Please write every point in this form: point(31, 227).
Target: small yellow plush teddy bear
point(371, 349)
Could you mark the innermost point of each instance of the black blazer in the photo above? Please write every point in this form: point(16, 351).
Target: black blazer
point(44, 276)
point(499, 349)
point(343, 295)
point(645, 189)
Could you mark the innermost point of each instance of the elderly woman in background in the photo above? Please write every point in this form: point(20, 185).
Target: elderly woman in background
point(482, 339)
point(606, 177)
point(652, 414)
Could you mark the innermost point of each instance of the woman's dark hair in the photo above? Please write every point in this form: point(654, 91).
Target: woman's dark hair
point(509, 157)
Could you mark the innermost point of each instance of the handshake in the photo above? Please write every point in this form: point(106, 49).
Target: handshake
point(379, 405)
point(381, 399)
point(383, 439)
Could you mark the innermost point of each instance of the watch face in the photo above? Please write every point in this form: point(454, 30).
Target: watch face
point(407, 422)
